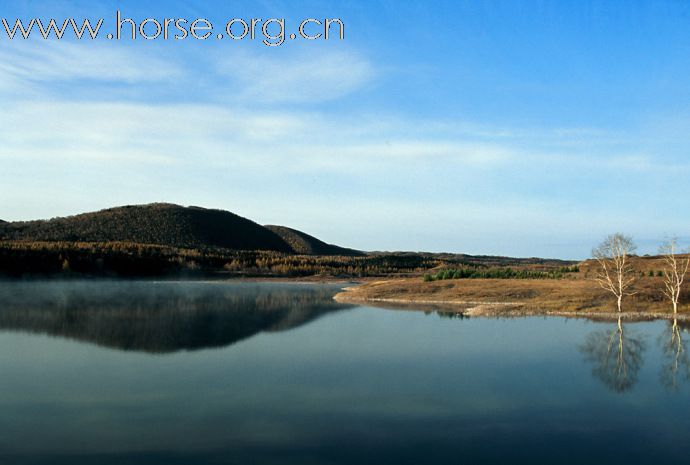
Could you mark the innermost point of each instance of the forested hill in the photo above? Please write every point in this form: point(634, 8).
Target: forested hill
point(304, 244)
point(161, 224)
point(165, 240)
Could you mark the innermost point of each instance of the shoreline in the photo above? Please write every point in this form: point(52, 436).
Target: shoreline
point(398, 298)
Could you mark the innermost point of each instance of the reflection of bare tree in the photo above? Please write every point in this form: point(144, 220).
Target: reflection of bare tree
point(677, 362)
point(616, 355)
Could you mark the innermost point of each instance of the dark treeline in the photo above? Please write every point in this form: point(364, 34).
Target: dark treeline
point(22, 259)
point(475, 272)
point(125, 259)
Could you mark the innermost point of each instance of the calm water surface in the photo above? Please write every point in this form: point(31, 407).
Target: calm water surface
point(216, 373)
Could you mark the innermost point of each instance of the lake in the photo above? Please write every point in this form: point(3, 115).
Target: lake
point(268, 373)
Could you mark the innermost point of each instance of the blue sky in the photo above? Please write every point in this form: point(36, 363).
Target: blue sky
point(516, 128)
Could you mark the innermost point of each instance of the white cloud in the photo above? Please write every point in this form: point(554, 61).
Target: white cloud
point(44, 67)
point(310, 78)
point(212, 135)
point(299, 140)
point(60, 61)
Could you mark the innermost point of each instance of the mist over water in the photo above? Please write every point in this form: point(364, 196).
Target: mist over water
point(162, 316)
point(210, 373)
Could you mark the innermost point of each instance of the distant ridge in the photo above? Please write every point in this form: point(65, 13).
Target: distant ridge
point(304, 244)
point(158, 223)
point(171, 225)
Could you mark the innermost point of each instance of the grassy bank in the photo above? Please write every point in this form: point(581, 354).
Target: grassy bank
point(573, 294)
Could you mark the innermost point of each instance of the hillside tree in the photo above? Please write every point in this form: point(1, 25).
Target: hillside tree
point(675, 269)
point(616, 273)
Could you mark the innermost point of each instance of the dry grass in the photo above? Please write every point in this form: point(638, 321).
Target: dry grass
point(577, 295)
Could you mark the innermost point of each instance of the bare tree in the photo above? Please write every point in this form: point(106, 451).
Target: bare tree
point(616, 274)
point(675, 269)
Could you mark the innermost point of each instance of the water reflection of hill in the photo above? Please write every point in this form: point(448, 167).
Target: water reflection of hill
point(160, 317)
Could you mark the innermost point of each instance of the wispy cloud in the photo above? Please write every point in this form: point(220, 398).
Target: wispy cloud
point(305, 140)
point(62, 61)
point(296, 78)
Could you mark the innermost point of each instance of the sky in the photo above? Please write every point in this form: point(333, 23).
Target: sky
point(521, 128)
